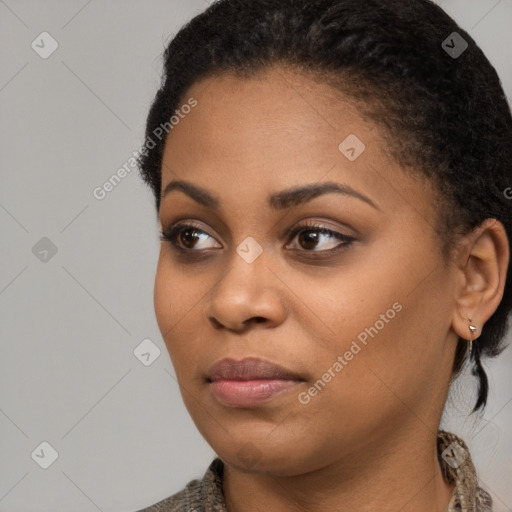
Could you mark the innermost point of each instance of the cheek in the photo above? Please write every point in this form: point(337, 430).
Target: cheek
point(389, 332)
point(178, 299)
point(172, 303)
point(383, 314)
point(175, 294)
point(164, 296)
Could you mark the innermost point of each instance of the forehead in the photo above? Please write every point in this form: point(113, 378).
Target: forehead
point(278, 129)
point(273, 105)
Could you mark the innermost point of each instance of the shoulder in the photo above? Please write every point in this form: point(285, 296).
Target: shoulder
point(198, 495)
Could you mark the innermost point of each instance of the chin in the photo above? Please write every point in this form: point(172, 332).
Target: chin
point(249, 457)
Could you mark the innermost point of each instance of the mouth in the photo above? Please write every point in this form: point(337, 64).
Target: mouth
point(249, 382)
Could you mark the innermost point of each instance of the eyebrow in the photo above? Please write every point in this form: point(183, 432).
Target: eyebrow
point(278, 201)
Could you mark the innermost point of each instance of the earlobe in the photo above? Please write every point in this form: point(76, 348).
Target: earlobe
point(482, 267)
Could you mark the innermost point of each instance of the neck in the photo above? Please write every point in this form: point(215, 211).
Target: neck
point(402, 475)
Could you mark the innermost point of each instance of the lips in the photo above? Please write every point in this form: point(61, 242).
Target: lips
point(250, 368)
point(251, 382)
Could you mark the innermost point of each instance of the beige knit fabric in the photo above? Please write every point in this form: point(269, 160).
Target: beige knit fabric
point(206, 495)
point(458, 467)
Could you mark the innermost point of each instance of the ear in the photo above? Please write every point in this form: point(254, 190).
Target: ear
point(482, 264)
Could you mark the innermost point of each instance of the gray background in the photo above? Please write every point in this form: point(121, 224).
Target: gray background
point(70, 323)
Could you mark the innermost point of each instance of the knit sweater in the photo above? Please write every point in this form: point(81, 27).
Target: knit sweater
point(206, 495)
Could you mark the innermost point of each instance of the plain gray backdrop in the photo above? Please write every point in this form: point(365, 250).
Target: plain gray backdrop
point(77, 272)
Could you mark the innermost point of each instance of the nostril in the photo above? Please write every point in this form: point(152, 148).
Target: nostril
point(216, 324)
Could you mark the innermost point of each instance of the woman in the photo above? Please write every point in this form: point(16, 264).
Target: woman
point(330, 178)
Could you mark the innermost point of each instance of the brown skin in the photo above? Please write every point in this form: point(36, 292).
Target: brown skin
point(366, 441)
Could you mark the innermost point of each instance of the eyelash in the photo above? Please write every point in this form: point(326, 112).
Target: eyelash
point(171, 235)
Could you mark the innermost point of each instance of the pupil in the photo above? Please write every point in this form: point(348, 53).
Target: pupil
point(189, 237)
point(310, 238)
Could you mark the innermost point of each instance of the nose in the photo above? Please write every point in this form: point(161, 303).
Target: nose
point(248, 294)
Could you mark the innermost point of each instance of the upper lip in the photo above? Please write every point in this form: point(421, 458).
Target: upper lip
point(248, 369)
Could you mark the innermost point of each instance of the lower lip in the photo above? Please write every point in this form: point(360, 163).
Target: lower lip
point(249, 393)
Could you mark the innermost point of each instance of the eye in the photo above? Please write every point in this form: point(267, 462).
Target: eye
point(310, 237)
point(186, 237)
point(313, 235)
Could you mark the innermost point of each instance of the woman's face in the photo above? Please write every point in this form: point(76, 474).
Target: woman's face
point(360, 314)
